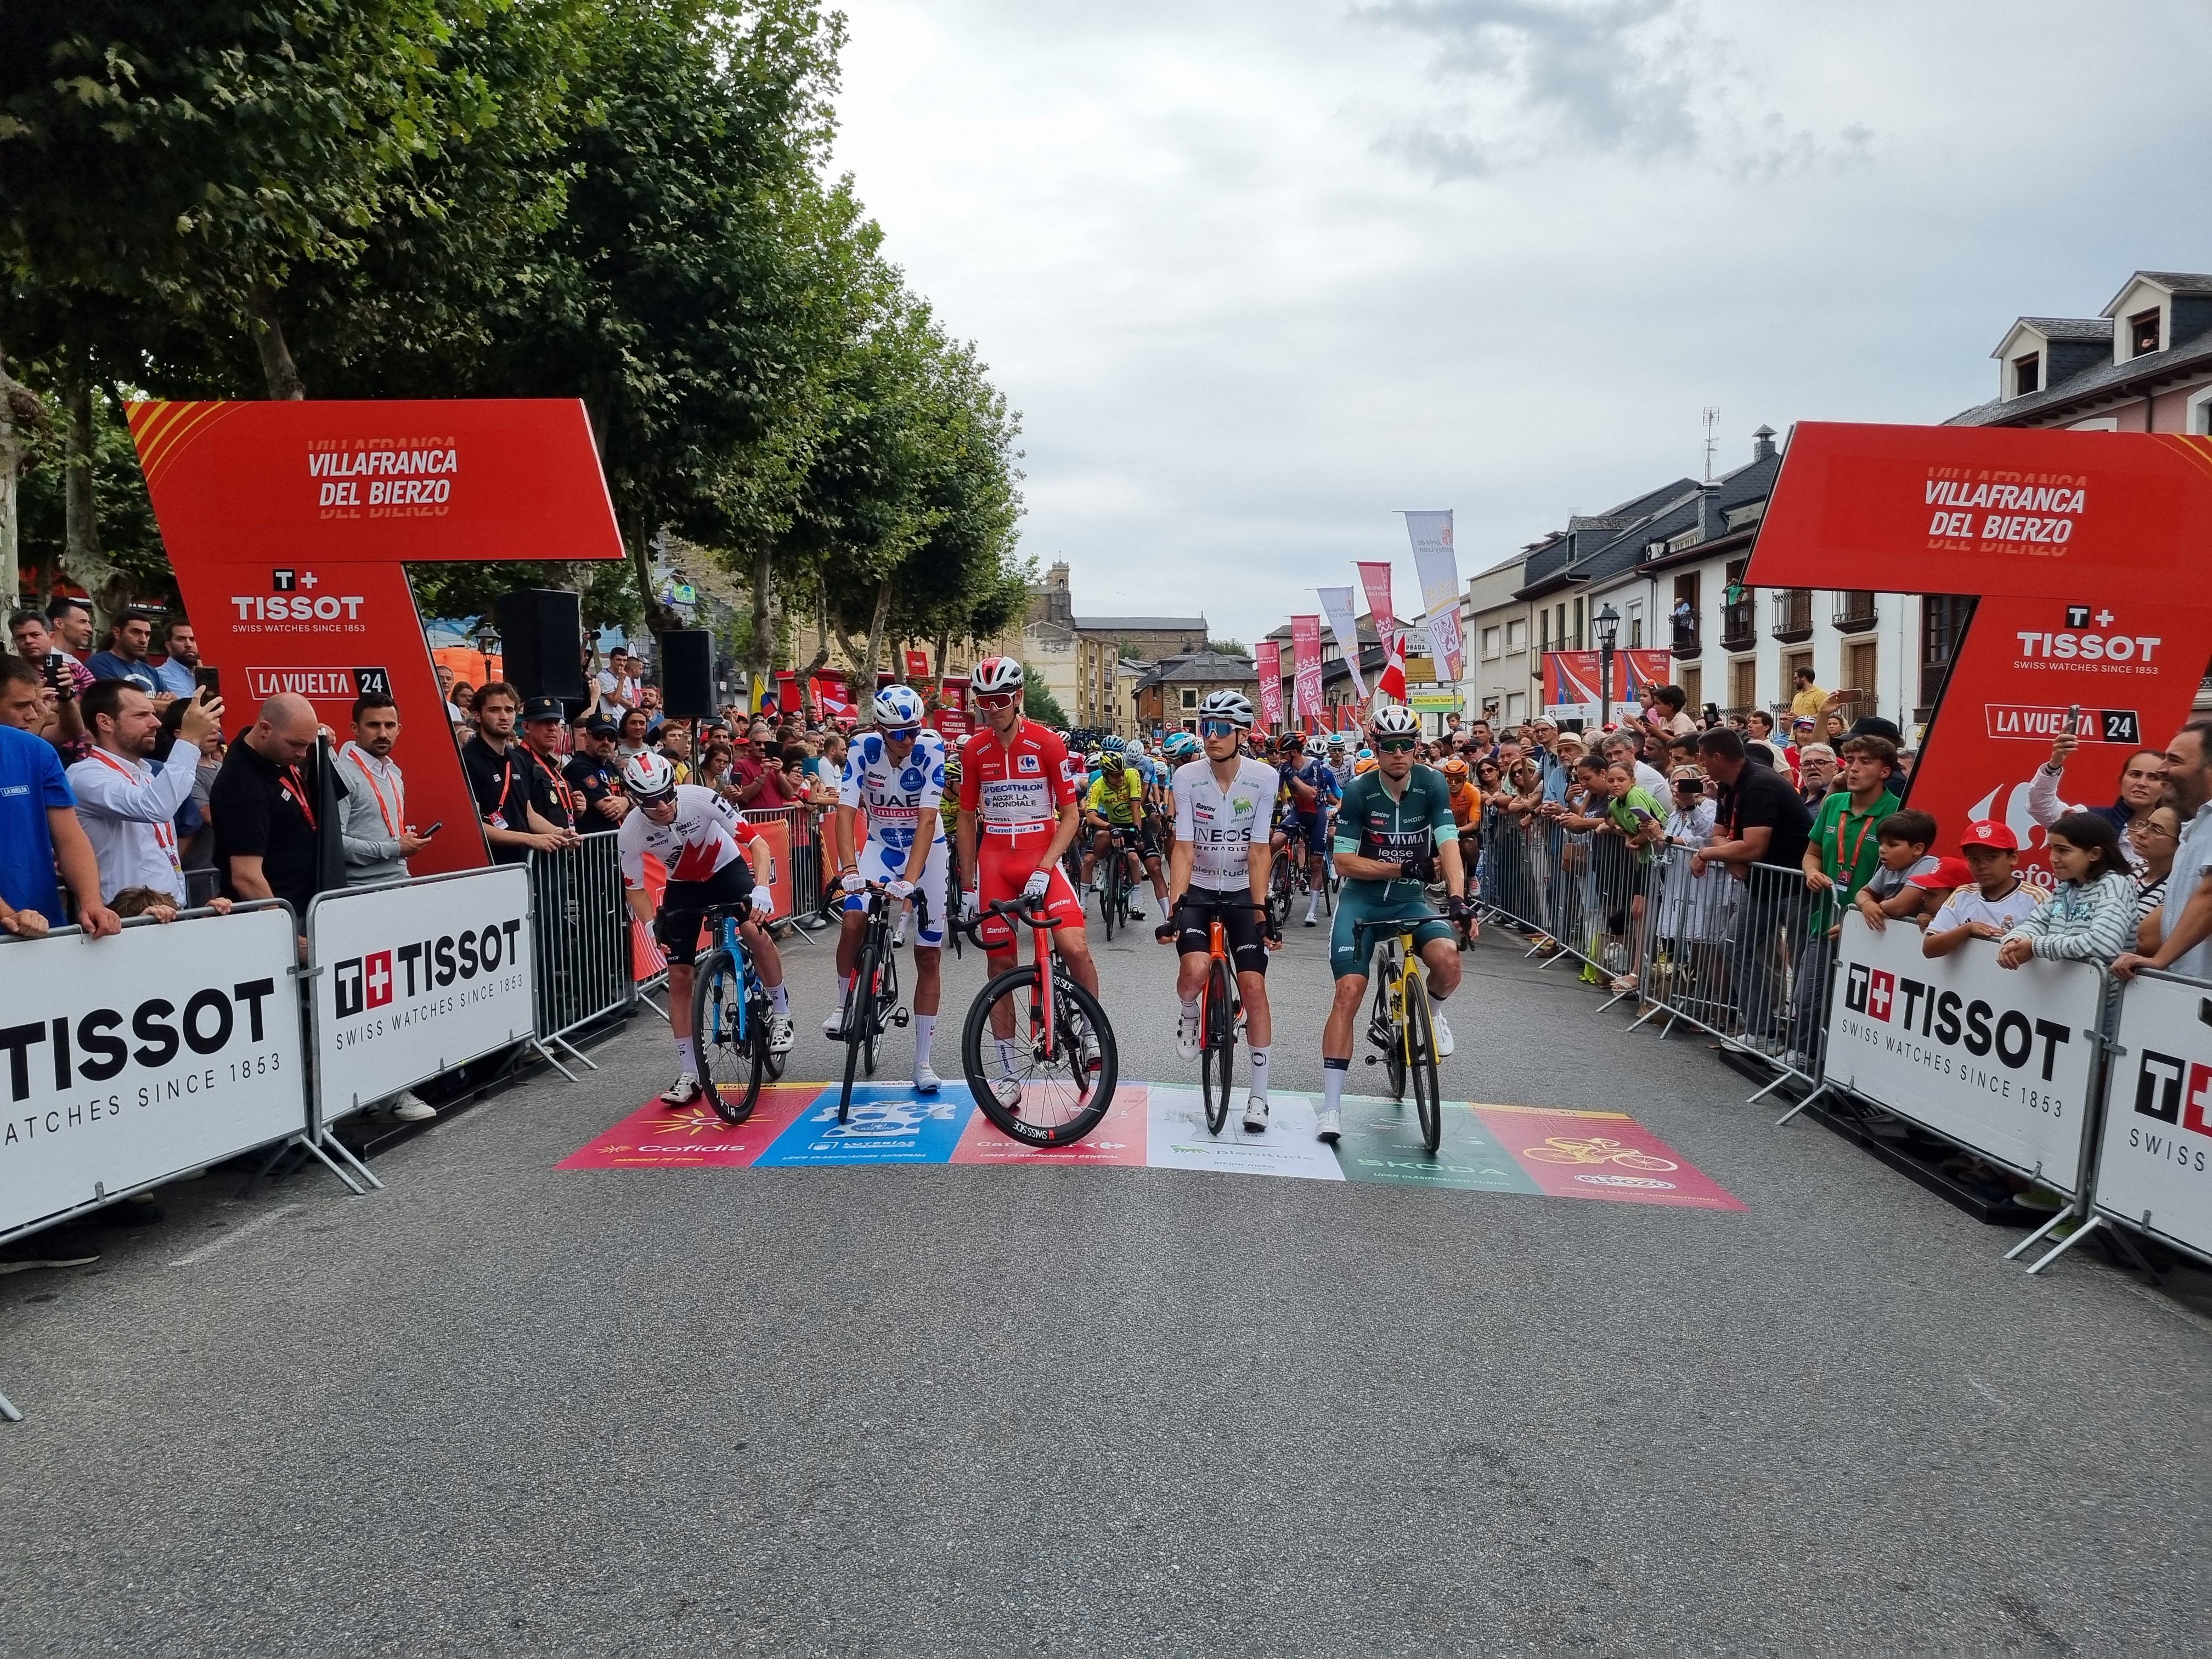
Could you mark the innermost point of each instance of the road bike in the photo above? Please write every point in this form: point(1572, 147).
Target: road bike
point(1221, 1014)
point(1057, 1061)
point(1115, 884)
point(872, 1000)
point(1399, 1026)
point(730, 1010)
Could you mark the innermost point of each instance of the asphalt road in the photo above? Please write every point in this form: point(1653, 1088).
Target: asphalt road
point(502, 1408)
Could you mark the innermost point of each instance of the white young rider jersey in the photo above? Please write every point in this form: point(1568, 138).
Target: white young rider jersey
point(1219, 823)
point(701, 839)
point(894, 799)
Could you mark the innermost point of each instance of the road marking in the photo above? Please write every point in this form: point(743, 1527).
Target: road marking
point(245, 1229)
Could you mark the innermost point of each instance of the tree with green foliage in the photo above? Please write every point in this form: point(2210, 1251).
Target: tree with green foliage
point(1037, 702)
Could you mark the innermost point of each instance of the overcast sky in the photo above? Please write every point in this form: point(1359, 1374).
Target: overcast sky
point(1257, 274)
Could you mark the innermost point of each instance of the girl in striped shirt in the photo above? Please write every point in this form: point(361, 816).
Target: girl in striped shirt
point(2092, 917)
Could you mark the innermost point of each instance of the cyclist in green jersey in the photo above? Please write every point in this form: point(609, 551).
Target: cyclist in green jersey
point(1394, 833)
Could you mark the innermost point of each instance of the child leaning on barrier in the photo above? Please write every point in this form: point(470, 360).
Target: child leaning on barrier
point(152, 902)
point(1995, 901)
point(2092, 916)
point(1893, 892)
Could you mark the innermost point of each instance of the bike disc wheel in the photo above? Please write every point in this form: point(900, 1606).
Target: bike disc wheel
point(1217, 1061)
point(1057, 1102)
point(1421, 1070)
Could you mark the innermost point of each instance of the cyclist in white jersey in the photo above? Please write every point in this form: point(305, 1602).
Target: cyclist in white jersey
point(693, 833)
point(889, 831)
point(1224, 810)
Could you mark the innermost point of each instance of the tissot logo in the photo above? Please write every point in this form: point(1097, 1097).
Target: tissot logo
point(1868, 991)
point(2175, 1091)
point(1981, 1028)
point(92, 1046)
point(281, 581)
point(421, 966)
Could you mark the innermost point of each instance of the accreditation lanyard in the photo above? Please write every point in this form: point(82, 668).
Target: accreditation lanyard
point(165, 833)
point(394, 814)
point(563, 790)
point(300, 794)
point(1848, 866)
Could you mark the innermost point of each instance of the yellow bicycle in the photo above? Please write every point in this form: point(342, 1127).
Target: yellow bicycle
point(1399, 1027)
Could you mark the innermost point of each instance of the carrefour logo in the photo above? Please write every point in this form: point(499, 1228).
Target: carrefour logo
point(375, 978)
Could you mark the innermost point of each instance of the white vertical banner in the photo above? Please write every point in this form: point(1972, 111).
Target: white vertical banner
point(1437, 567)
point(1336, 605)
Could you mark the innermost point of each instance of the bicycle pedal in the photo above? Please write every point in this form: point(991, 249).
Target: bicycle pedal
point(899, 1018)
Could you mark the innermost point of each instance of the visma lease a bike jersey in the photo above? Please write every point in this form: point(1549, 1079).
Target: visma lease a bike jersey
point(1219, 823)
point(1372, 825)
point(702, 839)
point(894, 799)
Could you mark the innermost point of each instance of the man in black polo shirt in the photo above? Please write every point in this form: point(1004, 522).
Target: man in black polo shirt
point(552, 797)
point(500, 771)
point(1761, 836)
point(263, 808)
point(591, 773)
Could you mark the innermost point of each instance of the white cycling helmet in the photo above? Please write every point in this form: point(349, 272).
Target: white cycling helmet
point(996, 674)
point(648, 778)
point(1392, 721)
point(898, 708)
point(1231, 705)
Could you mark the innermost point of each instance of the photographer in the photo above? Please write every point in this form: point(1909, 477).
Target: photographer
point(128, 808)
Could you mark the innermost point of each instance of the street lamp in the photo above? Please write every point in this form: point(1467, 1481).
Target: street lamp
point(1607, 623)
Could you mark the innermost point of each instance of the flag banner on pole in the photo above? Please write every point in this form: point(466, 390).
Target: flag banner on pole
point(1437, 567)
point(1267, 657)
point(1443, 638)
point(1571, 681)
point(1392, 682)
point(1305, 659)
point(1336, 603)
point(1374, 578)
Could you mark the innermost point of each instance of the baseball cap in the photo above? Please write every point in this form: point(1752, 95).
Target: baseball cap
point(1805, 720)
point(1990, 833)
point(601, 727)
point(1948, 872)
point(1874, 725)
point(543, 708)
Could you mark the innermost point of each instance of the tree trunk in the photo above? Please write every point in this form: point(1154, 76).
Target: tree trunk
point(277, 365)
point(111, 589)
point(760, 649)
point(19, 410)
point(936, 690)
point(875, 624)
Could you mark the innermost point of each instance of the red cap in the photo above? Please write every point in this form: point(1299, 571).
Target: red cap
point(1947, 872)
point(1990, 833)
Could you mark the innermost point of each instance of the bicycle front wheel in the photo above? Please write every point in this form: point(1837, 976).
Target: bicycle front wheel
point(1394, 1045)
point(1217, 1061)
point(1040, 1092)
point(726, 1060)
point(1421, 1038)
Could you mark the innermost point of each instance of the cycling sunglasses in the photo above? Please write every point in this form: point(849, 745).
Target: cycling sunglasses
point(899, 733)
point(996, 699)
point(1218, 728)
point(1395, 745)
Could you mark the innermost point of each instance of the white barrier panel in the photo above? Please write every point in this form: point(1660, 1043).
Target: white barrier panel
point(140, 1056)
point(417, 977)
point(2001, 1060)
point(2154, 1158)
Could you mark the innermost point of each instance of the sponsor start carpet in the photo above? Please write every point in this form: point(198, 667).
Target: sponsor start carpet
point(1486, 1148)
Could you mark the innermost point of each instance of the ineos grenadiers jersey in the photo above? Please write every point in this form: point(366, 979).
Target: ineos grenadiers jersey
point(1219, 823)
point(701, 838)
point(1371, 825)
point(1016, 790)
point(894, 799)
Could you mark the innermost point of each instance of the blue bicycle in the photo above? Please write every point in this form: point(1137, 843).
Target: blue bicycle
point(730, 1011)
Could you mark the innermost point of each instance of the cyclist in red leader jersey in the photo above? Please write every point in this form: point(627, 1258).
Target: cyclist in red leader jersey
point(1017, 815)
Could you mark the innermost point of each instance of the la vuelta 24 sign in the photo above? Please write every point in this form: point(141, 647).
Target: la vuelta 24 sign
point(290, 525)
point(2084, 550)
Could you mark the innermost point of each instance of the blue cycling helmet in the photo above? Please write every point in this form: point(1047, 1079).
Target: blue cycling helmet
point(1181, 746)
point(1115, 745)
point(898, 707)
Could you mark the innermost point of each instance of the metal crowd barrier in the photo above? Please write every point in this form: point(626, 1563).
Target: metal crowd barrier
point(582, 942)
point(806, 854)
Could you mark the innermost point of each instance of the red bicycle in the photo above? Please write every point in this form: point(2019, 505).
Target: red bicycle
point(1039, 1054)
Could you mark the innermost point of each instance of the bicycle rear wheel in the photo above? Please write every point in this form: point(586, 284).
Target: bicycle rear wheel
point(1381, 1026)
point(1110, 898)
point(883, 1000)
point(1217, 1061)
point(1039, 1099)
point(1421, 1067)
point(860, 1008)
point(725, 1059)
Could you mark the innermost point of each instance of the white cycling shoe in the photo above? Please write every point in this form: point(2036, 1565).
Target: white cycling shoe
point(1187, 1035)
point(834, 1027)
point(925, 1080)
point(683, 1092)
point(781, 1035)
point(1328, 1124)
point(1009, 1091)
point(1255, 1114)
point(1442, 1031)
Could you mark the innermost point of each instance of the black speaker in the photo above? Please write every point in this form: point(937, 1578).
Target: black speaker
point(541, 632)
point(687, 673)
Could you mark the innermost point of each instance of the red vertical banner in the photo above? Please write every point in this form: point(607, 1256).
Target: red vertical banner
point(1305, 659)
point(1375, 582)
point(953, 707)
point(1267, 657)
point(917, 664)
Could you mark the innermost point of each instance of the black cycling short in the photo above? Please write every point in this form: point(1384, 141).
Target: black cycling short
point(1239, 920)
point(685, 904)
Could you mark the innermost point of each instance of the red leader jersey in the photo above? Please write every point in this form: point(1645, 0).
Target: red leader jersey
point(1016, 790)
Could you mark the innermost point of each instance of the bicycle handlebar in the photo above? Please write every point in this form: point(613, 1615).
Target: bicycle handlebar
point(1025, 912)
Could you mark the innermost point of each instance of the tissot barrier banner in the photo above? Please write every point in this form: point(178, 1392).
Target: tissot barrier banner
point(154, 1051)
point(2000, 1060)
point(2086, 551)
point(2155, 1156)
point(1437, 567)
point(288, 523)
point(1305, 659)
point(417, 979)
point(1267, 657)
point(1572, 681)
point(1336, 605)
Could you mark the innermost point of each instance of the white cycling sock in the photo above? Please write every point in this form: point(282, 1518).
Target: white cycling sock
point(924, 1028)
point(779, 998)
point(1259, 1074)
point(687, 1050)
point(1436, 1005)
point(1007, 1050)
point(1313, 905)
point(1333, 1075)
point(1190, 1009)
